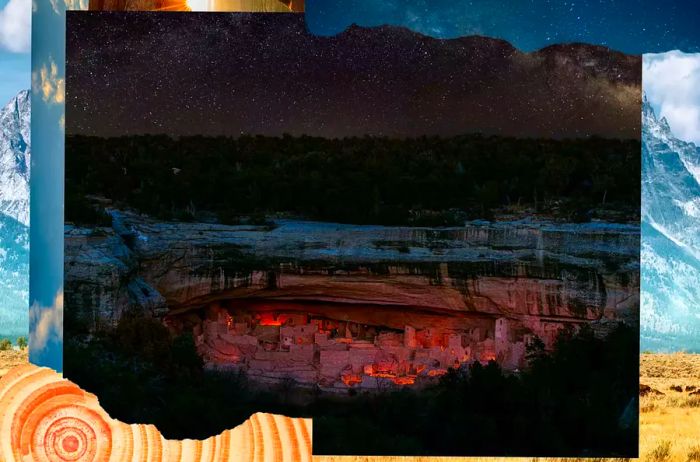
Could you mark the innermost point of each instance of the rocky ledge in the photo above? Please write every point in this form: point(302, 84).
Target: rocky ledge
point(343, 306)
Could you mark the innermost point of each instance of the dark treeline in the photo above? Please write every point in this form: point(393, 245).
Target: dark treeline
point(422, 181)
point(578, 399)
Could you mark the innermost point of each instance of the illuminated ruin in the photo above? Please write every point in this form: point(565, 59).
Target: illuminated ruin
point(336, 347)
point(344, 307)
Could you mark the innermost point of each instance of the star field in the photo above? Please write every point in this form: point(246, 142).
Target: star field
point(232, 74)
point(631, 26)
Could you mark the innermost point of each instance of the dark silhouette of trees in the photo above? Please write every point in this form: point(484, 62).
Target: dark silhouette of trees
point(424, 181)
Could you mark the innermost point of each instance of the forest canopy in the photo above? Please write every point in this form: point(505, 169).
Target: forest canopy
point(422, 181)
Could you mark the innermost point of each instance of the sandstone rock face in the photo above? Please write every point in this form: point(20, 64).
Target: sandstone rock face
point(356, 306)
point(101, 278)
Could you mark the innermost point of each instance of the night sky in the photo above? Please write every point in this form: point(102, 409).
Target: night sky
point(233, 74)
point(632, 26)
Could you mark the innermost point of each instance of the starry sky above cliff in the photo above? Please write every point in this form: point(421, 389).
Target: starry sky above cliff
point(631, 26)
point(233, 74)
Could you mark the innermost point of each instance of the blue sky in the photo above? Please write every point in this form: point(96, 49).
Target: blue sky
point(15, 59)
point(46, 189)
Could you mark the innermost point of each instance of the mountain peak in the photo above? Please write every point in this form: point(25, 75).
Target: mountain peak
point(15, 157)
point(670, 212)
point(647, 109)
point(19, 103)
point(23, 95)
point(664, 124)
point(651, 124)
point(388, 31)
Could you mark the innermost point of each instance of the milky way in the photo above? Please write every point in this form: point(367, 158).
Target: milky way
point(234, 73)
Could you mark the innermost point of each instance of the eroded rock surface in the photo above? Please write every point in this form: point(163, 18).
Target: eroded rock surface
point(356, 306)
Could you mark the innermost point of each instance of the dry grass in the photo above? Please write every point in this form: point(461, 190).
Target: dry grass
point(671, 365)
point(669, 423)
point(10, 359)
point(694, 454)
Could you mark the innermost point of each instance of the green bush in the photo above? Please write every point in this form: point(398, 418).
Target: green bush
point(5, 344)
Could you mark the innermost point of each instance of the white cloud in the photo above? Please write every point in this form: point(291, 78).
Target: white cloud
point(77, 4)
point(15, 26)
point(48, 83)
point(672, 83)
point(47, 322)
point(61, 5)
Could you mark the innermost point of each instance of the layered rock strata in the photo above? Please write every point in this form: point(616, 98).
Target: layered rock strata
point(341, 306)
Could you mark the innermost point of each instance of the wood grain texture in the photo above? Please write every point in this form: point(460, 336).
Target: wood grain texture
point(44, 417)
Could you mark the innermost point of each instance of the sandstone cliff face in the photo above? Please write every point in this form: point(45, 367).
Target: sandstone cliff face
point(582, 271)
point(101, 278)
point(534, 276)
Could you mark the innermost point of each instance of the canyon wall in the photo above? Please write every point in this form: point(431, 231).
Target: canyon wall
point(343, 306)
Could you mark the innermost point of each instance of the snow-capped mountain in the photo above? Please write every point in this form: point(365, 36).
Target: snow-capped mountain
point(14, 216)
point(15, 158)
point(670, 315)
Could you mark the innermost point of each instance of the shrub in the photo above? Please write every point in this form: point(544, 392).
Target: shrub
point(694, 454)
point(185, 357)
point(692, 401)
point(83, 211)
point(22, 342)
point(144, 337)
point(647, 406)
point(5, 344)
point(661, 453)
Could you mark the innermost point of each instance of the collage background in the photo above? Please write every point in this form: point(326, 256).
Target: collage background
point(661, 28)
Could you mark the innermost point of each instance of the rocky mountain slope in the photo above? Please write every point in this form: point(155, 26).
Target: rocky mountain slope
point(14, 215)
point(15, 158)
point(671, 237)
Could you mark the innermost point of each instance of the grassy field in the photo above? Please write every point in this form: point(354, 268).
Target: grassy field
point(669, 422)
point(10, 359)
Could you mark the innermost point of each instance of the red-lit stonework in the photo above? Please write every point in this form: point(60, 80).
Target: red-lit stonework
point(361, 307)
point(340, 346)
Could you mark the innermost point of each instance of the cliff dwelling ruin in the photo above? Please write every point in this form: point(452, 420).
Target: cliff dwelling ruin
point(323, 345)
point(344, 312)
point(352, 331)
